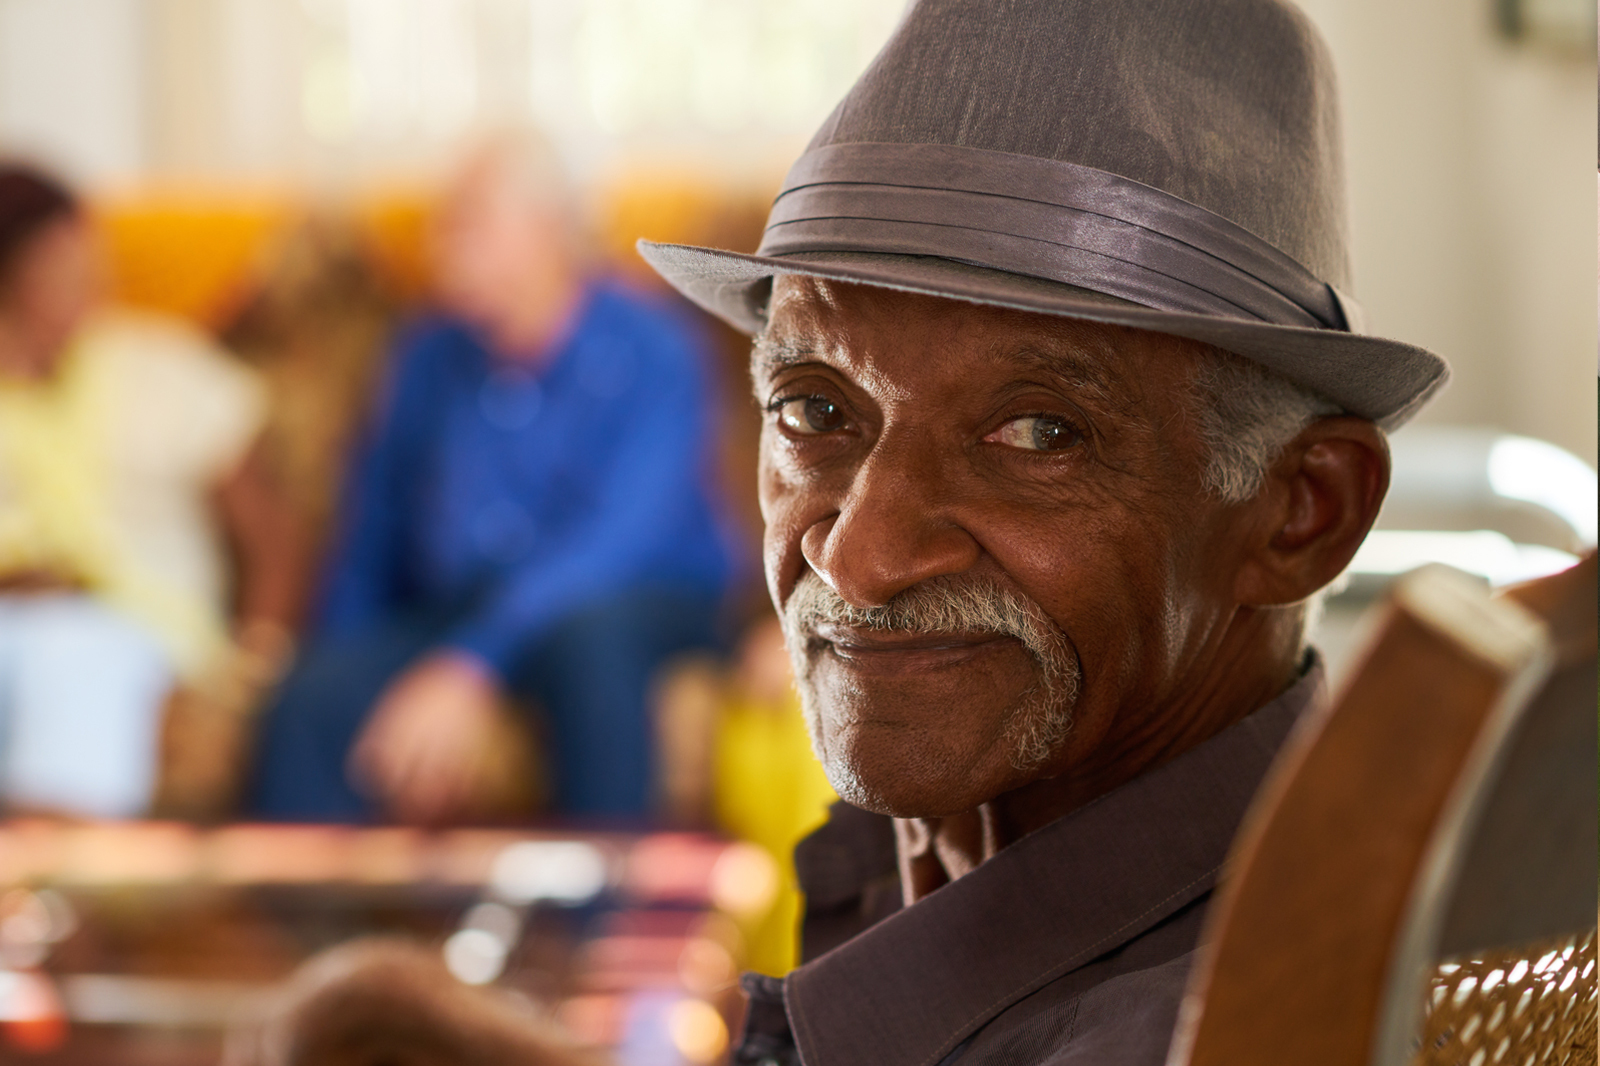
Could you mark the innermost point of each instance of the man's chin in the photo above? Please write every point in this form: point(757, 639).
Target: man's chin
point(906, 779)
point(899, 802)
point(919, 765)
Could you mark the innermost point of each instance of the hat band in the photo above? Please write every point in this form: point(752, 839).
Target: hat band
point(1048, 219)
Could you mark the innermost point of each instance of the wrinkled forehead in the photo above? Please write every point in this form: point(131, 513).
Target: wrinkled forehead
point(847, 324)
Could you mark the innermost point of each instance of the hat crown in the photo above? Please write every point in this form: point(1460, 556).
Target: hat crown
point(1169, 165)
point(1228, 104)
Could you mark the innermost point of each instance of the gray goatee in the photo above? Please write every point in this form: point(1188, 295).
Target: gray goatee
point(958, 603)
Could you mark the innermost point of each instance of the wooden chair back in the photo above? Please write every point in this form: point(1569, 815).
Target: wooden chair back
point(1416, 881)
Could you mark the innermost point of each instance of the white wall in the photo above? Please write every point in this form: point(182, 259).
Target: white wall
point(344, 90)
point(71, 84)
point(1469, 162)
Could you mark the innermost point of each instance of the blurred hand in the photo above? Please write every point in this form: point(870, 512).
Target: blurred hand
point(429, 737)
point(208, 724)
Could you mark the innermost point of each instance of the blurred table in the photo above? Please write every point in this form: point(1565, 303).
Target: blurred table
point(134, 943)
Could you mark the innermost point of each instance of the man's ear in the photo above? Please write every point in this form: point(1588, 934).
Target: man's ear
point(1314, 509)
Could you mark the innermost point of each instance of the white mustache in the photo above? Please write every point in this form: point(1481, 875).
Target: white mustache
point(946, 604)
point(957, 603)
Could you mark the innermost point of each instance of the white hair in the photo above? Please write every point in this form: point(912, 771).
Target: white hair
point(1248, 415)
point(528, 161)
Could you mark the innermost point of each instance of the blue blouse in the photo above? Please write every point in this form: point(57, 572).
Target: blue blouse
point(505, 499)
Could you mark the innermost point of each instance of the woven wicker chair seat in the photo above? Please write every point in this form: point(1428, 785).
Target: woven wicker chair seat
point(1529, 1006)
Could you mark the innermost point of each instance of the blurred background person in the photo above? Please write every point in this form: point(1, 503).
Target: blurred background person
point(528, 518)
point(737, 757)
point(314, 324)
point(127, 487)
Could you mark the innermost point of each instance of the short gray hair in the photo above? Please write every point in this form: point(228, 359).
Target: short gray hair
point(1248, 415)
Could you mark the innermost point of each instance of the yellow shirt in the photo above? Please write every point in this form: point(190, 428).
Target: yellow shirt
point(106, 467)
point(768, 788)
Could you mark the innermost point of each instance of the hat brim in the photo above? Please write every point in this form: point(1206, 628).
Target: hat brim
point(1384, 380)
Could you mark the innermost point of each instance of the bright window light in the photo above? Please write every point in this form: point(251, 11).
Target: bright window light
point(1538, 472)
point(475, 956)
point(562, 871)
point(1491, 555)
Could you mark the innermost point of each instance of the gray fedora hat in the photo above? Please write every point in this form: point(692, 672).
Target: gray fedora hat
point(1172, 165)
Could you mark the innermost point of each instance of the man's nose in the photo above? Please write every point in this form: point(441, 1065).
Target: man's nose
point(894, 528)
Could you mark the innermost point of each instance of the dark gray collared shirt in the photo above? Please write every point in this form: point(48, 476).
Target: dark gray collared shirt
point(1072, 946)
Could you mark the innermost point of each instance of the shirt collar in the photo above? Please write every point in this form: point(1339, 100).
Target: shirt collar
point(912, 987)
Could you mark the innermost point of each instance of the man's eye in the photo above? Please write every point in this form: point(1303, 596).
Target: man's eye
point(809, 415)
point(1038, 433)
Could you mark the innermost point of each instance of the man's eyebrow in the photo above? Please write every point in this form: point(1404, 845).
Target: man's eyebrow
point(768, 354)
point(1073, 368)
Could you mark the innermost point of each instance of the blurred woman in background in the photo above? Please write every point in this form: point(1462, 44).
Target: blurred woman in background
point(126, 488)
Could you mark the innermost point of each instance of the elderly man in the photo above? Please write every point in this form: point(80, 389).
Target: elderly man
point(530, 517)
point(1068, 423)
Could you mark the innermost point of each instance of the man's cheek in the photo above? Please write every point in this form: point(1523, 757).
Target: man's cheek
point(911, 748)
point(769, 486)
point(833, 727)
point(782, 560)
